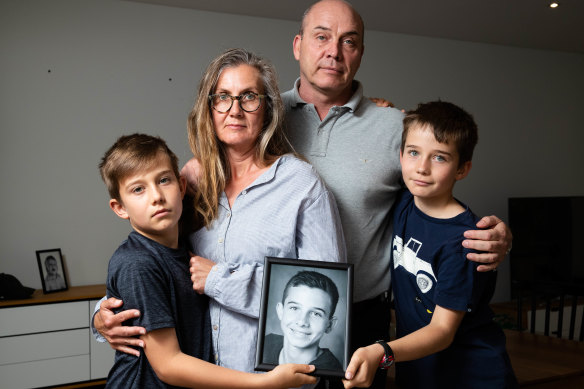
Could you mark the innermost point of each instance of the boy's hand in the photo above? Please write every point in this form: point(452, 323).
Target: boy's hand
point(363, 365)
point(290, 376)
point(109, 325)
point(496, 242)
point(200, 268)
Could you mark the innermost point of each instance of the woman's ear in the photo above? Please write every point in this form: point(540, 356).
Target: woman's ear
point(118, 208)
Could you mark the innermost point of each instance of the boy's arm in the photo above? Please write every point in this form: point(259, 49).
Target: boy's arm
point(176, 368)
point(430, 339)
point(494, 242)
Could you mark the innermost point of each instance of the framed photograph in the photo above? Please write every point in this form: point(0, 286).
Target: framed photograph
point(52, 270)
point(305, 315)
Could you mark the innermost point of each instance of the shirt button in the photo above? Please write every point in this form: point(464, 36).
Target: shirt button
point(215, 327)
point(228, 214)
point(244, 192)
point(216, 357)
point(220, 240)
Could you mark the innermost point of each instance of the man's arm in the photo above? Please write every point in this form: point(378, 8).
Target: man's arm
point(109, 325)
point(494, 242)
point(430, 339)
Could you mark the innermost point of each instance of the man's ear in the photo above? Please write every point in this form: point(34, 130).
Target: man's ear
point(118, 209)
point(463, 170)
point(279, 310)
point(296, 46)
point(332, 324)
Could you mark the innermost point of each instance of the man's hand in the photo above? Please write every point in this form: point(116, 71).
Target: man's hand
point(495, 242)
point(381, 102)
point(200, 268)
point(109, 325)
point(363, 365)
point(191, 172)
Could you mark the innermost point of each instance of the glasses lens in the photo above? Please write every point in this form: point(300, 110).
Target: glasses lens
point(222, 103)
point(250, 102)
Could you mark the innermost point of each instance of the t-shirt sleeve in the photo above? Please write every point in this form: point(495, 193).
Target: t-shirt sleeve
point(455, 275)
point(140, 282)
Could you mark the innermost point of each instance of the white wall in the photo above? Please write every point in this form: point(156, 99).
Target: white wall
point(76, 74)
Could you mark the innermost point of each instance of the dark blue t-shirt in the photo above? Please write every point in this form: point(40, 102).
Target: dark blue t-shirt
point(429, 268)
point(155, 279)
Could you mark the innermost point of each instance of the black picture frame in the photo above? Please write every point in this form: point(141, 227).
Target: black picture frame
point(271, 337)
point(57, 281)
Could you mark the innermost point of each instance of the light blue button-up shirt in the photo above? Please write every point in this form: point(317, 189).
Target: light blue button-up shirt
point(287, 212)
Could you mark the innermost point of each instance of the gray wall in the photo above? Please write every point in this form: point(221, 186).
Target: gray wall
point(76, 74)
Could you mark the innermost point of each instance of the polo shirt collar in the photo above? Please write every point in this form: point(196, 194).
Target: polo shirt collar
point(352, 104)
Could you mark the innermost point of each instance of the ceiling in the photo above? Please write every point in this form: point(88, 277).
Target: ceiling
point(519, 23)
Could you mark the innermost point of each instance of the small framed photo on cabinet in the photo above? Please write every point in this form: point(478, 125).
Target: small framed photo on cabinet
point(305, 315)
point(51, 270)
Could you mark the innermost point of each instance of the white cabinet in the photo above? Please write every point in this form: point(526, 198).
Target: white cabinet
point(45, 341)
point(101, 354)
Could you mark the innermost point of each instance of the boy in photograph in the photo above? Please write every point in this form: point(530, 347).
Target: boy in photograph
point(53, 280)
point(306, 314)
point(150, 272)
point(445, 333)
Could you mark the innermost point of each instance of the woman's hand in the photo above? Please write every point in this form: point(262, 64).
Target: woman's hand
point(200, 268)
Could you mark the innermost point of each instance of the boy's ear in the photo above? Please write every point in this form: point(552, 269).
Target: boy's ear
point(463, 170)
point(332, 324)
point(279, 310)
point(118, 208)
point(182, 181)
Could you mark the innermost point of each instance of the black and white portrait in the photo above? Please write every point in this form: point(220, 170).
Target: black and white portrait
point(51, 270)
point(304, 313)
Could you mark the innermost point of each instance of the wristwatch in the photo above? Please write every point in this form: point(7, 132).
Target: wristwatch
point(388, 358)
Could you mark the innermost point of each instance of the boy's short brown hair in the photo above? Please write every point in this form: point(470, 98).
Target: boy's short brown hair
point(129, 154)
point(448, 122)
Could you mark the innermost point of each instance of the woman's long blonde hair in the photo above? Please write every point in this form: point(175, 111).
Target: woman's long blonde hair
point(210, 151)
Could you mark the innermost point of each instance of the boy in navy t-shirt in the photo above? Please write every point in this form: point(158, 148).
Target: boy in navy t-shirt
point(150, 272)
point(445, 333)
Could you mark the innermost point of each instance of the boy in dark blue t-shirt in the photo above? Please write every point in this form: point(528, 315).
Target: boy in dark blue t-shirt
point(445, 333)
point(150, 272)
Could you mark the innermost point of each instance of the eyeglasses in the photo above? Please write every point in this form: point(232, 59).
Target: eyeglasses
point(249, 101)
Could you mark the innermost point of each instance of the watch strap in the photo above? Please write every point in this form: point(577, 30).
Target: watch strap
point(388, 357)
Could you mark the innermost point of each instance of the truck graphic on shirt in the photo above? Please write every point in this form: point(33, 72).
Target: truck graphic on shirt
point(407, 257)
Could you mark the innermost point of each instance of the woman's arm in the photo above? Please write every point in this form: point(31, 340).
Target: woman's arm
point(176, 368)
point(430, 339)
point(319, 233)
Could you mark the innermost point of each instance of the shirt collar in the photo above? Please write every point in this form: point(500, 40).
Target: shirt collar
point(352, 104)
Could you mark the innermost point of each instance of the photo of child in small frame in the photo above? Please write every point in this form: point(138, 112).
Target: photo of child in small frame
point(303, 318)
point(51, 270)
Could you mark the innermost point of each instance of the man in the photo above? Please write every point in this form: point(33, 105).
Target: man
point(354, 146)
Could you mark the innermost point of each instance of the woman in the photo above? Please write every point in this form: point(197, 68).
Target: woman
point(254, 198)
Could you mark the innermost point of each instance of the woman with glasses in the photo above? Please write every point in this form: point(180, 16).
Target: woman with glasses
point(253, 197)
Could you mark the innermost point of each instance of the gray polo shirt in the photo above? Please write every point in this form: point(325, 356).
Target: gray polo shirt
point(355, 149)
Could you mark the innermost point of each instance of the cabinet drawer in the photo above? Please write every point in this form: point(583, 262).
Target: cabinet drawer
point(45, 373)
point(42, 318)
point(36, 347)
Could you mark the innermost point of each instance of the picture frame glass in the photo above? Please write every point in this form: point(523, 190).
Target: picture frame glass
point(298, 322)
